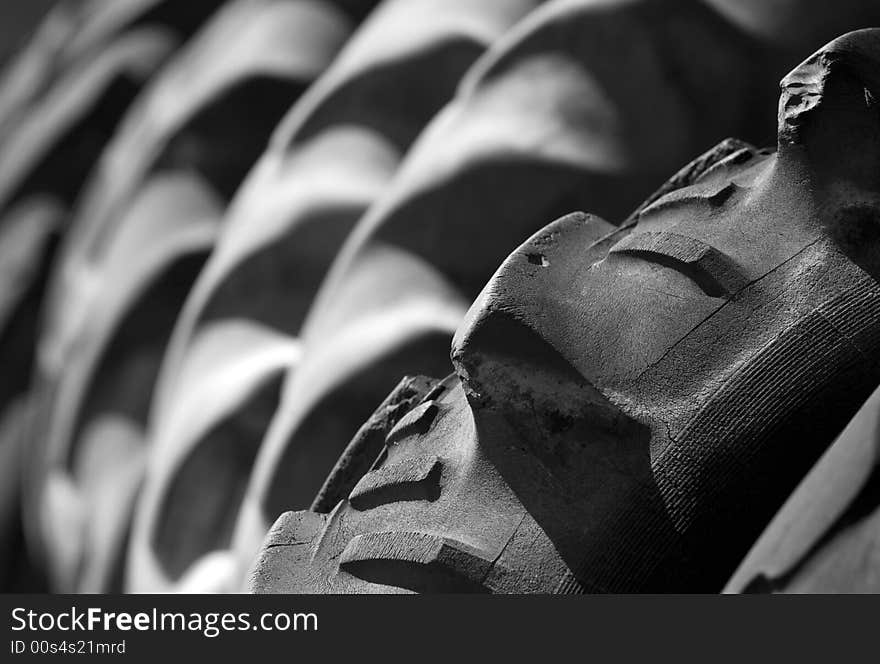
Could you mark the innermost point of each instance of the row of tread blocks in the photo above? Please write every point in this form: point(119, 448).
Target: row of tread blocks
point(415, 561)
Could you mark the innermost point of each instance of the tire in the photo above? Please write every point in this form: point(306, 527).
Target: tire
point(434, 513)
point(633, 404)
point(412, 525)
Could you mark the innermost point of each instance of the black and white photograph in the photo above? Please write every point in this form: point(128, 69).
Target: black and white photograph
point(392, 297)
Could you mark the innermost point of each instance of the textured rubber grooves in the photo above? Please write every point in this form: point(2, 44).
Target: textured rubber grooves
point(787, 375)
point(416, 561)
point(855, 313)
point(411, 479)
